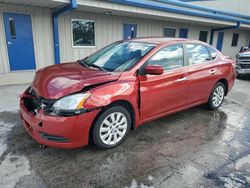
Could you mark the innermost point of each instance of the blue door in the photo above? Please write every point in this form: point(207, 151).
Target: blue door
point(19, 40)
point(220, 40)
point(129, 31)
point(183, 33)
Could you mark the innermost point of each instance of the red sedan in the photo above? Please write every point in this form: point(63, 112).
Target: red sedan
point(123, 86)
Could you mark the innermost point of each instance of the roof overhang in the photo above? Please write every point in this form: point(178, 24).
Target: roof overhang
point(120, 8)
point(38, 3)
point(163, 10)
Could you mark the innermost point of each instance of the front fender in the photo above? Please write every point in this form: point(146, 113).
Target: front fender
point(121, 90)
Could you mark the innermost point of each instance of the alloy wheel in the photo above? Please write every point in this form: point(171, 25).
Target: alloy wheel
point(113, 128)
point(218, 96)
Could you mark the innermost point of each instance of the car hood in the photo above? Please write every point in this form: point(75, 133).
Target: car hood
point(245, 53)
point(56, 81)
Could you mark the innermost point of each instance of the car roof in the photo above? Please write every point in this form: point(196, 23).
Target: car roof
point(163, 40)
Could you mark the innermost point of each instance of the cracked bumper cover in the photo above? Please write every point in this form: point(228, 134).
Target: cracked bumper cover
point(73, 130)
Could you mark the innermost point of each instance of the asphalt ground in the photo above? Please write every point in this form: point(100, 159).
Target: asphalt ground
point(194, 148)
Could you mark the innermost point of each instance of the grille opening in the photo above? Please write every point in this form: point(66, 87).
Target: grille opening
point(34, 103)
point(54, 138)
point(245, 66)
point(243, 58)
point(30, 104)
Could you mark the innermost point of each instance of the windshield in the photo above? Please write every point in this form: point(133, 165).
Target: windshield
point(119, 56)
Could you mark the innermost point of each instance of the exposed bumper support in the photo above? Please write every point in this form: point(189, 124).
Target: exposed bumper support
point(55, 14)
point(222, 29)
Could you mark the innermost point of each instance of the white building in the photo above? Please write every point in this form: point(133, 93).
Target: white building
point(38, 33)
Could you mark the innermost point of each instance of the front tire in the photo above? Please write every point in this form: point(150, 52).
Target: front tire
point(216, 97)
point(111, 127)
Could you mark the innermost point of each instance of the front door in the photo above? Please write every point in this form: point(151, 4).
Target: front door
point(220, 40)
point(166, 93)
point(19, 39)
point(129, 31)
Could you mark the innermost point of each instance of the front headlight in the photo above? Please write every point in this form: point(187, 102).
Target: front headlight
point(71, 102)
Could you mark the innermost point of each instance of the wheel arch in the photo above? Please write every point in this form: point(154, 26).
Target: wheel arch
point(225, 82)
point(124, 103)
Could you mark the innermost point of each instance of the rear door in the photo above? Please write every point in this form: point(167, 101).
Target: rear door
point(203, 73)
point(164, 93)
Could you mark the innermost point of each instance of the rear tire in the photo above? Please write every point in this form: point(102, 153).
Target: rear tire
point(111, 127)
point(216, 97)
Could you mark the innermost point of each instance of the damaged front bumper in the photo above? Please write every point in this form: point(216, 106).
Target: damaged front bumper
point(56, 131)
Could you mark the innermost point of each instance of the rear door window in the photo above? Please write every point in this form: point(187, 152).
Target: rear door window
point(197, 54)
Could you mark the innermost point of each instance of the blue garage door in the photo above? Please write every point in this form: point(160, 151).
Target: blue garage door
point(220, 40)
point(129, 31)
point(19, 39)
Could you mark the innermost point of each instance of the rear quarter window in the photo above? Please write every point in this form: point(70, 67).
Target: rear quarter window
point(213, 53)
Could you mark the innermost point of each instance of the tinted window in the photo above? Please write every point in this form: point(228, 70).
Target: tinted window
point(197, 54)
point(203, 36)
point(170, 57)
point(169, 32)
point(235, 39)
point(12, 28)
point(119, 56)
point(83, 32)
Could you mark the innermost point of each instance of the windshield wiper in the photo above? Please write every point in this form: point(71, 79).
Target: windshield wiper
point(82, 62)
point(96, 66)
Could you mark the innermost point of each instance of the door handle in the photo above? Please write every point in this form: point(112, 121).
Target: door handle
point(181, 79)
point(213, 71)
point(9, 43)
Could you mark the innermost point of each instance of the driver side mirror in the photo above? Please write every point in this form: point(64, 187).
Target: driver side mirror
point(154, 69)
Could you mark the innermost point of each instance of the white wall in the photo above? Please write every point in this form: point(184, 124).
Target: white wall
point(242, 41)
point(229, 50)
point(237, 6)
point(110, 29)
